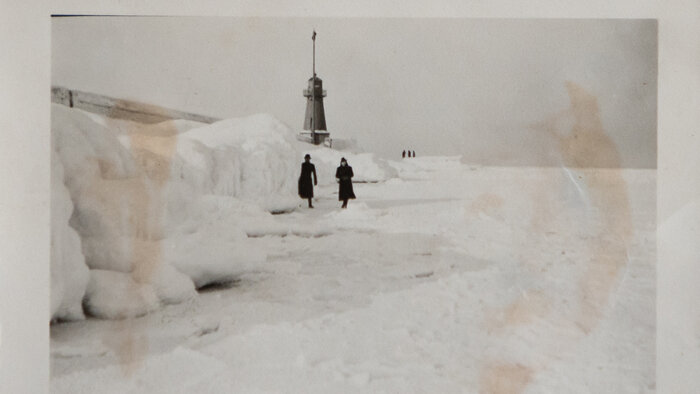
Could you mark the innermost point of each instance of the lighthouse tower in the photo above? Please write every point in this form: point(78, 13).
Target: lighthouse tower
point(315, 119)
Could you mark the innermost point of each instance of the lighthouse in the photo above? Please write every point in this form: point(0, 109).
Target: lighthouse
point(315, 119)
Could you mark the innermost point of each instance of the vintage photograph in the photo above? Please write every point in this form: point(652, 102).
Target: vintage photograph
point(353, 205)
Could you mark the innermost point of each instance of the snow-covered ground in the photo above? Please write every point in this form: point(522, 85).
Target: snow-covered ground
point(444, 278)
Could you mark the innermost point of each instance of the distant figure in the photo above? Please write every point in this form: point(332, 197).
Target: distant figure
point(409, 153)
point(306, 189)
point(344, 175)
point(414, 153)
point(403, 155)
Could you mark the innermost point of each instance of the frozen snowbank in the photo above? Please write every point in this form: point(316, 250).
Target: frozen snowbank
point(347, 145)
point(250, 158)
point(69, 274)
point(212, 244)
point(421, 168)
point(170, 206)
point(159, 209)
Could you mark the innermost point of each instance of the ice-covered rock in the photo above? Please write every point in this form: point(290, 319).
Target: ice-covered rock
point(116, 295)
point(170, 285)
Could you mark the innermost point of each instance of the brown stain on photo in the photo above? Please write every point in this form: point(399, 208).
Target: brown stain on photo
point(586, 146)
point(487, 203)
point(504, 378)
point(129, 342)
point(535, 304)
point(153, 154)
point(138, 203)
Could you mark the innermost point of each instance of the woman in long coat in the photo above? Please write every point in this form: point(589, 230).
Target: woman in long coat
point(344, 175)
point(306, 189)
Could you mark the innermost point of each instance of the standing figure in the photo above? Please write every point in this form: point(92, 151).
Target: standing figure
point(409, 153)
point(403, 155)
point(414, 153)
point(306, 189)
point(344, 176)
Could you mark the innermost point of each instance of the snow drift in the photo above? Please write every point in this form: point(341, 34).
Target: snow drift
point(163, 209)
point(69, 274)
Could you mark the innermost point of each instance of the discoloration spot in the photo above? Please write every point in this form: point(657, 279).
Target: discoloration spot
point(504, 379)
point(524, 310)
point(487, 203)
point(129, 344)
point(137, 205)
point(608, 211)
point(607, 223)
point(589, 145)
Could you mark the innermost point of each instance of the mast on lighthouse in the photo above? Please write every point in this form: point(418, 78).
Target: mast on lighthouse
point(315, 119)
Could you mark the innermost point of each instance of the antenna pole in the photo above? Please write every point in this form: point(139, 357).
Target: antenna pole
point(313, 90)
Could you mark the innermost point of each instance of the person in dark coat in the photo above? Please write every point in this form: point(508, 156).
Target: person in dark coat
point(344, 176)
point(403, 155)
point(414, 153)
point(306, 189)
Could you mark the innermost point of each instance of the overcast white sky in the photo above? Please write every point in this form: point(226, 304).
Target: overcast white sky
point(438, 86)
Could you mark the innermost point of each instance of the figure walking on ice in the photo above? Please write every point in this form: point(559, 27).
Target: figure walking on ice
point(344, 176)
point(306, 189)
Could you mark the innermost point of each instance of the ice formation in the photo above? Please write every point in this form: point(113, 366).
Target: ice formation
point(166, 208)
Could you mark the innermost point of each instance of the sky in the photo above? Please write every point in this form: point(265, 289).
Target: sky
point(470, 87)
